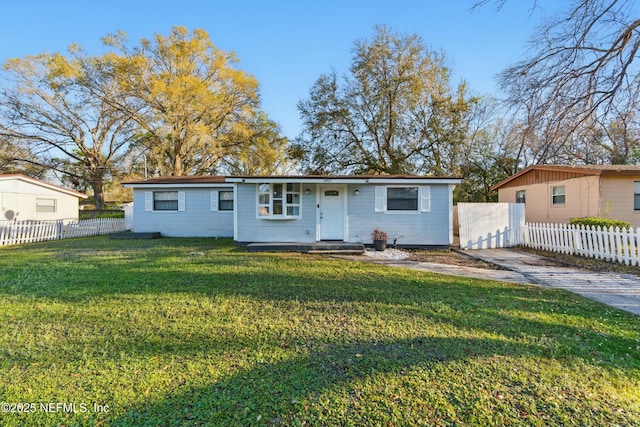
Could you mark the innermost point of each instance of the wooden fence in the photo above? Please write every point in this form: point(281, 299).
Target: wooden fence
point(613, 244)
point(20, 232)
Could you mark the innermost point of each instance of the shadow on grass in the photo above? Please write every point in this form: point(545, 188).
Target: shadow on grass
point(154, 275)
point(86, 270)
point(274, 393)
point(71, 272)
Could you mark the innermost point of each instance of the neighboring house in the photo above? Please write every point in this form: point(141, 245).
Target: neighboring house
point(24, 198)
point(417, 211)
point(555, 193)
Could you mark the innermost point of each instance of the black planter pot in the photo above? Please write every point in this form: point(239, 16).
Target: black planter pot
point(380, 245)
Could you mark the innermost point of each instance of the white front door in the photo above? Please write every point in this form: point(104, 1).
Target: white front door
point(331, 214)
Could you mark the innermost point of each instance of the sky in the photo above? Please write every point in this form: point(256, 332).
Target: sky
point(287, 45)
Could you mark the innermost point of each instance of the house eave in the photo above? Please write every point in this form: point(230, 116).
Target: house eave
point(176, 185)
point(229, 181)
point(583, 170)
point(345, 180)
point(43, 184)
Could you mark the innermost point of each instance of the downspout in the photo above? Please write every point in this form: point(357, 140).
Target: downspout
point(235, 211)
point(450, 204)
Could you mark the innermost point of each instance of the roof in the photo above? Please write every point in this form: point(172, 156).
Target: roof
point(216, 179)
point(24, 178)
point(572, 171)
point(180, 179)
point(346, 179)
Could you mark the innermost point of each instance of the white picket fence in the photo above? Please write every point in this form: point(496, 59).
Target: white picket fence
point(613, 244)
point(20, 232)
point(93, 227)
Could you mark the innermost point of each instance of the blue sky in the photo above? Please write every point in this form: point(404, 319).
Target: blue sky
point(285, 44)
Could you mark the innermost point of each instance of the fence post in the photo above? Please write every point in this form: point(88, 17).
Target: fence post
point(589, 236)
point(624, 235)
point(634, 246)
point(598, 241)
point(547, 231)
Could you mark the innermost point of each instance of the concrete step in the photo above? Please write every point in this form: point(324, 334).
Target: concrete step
point(308, 247)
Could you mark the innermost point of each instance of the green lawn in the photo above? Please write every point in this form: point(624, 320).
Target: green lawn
point(197, 332)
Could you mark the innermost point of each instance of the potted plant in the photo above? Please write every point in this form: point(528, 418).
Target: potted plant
point(379, 240)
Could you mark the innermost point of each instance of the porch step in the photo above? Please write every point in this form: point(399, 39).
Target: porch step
point(132, 235)
point(336, 252)
point(343, 248)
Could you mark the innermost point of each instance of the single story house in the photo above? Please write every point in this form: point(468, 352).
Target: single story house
point(412, 210)
point(557, 193)
point(24, 198)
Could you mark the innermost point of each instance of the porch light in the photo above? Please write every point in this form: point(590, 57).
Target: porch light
point(357, 192)
point(307, 191)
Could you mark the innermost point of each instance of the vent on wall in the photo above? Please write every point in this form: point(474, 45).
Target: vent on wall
point(9, 214)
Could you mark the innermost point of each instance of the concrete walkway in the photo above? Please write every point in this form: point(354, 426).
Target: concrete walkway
point(453, 270)
point(617, 290)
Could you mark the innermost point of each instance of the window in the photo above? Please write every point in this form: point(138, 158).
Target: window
point(225, 200)
point(636, 195)
point(557, 196)
point(279, 200)
point(521, 196)
point(45, 205)
point(402, 198)
point(165, 200)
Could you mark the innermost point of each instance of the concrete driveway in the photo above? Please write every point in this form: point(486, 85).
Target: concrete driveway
point(615, 289)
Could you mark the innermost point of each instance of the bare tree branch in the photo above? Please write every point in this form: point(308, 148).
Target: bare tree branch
point(580, 68)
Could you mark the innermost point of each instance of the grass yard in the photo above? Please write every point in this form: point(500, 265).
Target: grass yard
point(192, 332)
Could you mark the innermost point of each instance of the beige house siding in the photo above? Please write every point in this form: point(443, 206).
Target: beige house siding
point(581, 199)
point(617, 199)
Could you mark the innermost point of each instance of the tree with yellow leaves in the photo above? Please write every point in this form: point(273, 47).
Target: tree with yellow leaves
point(189, 100)
point(48, 106)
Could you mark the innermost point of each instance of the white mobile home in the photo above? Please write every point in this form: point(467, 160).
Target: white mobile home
point(24, 198)
point(412, 210)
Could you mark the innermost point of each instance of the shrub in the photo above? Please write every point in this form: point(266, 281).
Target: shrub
point(600, 222)
point(99, 214)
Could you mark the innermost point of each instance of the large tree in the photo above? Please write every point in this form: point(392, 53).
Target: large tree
point(15, 157)
point(259, 149)
point(581, 69)
point(48, 102)
point(489, 153)
point(395, 113)
point(188, 98)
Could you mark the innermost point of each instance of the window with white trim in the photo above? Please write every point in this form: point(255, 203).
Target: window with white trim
point(557, 196)
point(278, 200)
point(636, 195)
point(164, 201)
point(225, 200)
point(222, 200)
point(46, 206)
point(521, 196)
point(402, 199)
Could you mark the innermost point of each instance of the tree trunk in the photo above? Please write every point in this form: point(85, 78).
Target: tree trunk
point(177, 165)
point(97, 184)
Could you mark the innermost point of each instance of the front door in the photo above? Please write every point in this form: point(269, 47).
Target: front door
point(331, 213)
